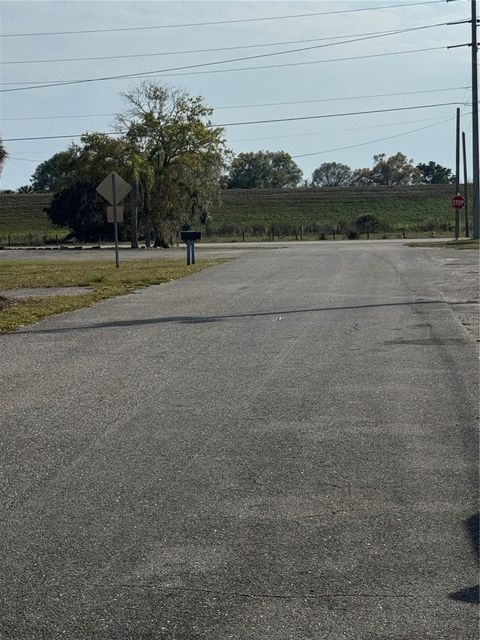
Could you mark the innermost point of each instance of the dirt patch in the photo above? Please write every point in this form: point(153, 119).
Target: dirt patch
point(42, 292)
point(5, 303)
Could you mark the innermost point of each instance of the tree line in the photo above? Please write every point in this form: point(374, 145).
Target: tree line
point(273, 169)
point(178, 163)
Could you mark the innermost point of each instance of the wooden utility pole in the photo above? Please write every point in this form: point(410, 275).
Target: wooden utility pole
point(465, 185)
point(457, 173)
point(476, 177)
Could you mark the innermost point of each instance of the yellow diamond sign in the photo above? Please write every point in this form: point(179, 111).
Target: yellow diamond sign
point(113, 188)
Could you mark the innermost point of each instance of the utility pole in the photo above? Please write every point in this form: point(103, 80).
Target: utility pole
point(476, 178)
point(457, 173)
point(465, 185)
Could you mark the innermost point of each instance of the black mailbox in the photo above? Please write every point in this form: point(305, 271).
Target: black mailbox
point(190, 235)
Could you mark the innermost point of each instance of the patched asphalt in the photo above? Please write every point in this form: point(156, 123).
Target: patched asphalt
point(280, 447)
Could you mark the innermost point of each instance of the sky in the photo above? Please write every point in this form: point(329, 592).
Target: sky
point(157, 36)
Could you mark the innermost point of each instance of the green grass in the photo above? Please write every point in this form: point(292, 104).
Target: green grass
point(102, 277)
point(451, 244)
point(411, 207)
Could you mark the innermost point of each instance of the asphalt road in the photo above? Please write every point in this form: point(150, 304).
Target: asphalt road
point(202, 249)
point(281, 447)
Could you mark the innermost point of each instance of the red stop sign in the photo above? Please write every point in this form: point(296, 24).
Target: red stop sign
point(458, 202)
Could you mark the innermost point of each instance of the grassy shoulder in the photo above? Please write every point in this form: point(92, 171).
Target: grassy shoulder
point(100, 278)
point(451, 244)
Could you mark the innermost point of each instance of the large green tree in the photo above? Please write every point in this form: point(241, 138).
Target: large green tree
point(74, 175)
point(166, 147)
point(97, 155)
point(386, 171)
point(433, 173)
point(264, 170)
point(56, 173)
point(186, 153)
point(332, 174)
point(80, 208)
point(90, 160)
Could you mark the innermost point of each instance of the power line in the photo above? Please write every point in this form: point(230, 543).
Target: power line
point(381, 34)
point(73, 135)
point(265, 104)
point(247, 46)
point(292, 64)
point(234, 124)
point(219, 22)
point(330, 131)
point(309, 134)
point(300, 135)
point(362, 97)
point(147, 74)
point(80, 115)
point(339, 115)
point(23, 159)
point(353, 146)
point(362, 144)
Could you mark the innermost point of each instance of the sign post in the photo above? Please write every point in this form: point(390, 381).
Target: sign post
point(114, 189)
point(115, 221)
point(458, 202)
point(189, 238)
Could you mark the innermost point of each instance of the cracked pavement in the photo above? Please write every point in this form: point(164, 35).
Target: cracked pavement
point(281, 447)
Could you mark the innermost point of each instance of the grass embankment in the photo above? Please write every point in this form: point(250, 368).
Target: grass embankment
point(287, 213)
point(23, 221)
point(101, 277)
point(422, 208)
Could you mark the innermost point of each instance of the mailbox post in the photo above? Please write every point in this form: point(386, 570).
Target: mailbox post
point(189, 238)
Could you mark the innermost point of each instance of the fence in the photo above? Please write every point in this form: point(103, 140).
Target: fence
point(29, 239)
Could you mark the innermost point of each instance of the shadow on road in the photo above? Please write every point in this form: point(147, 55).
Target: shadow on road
point(470, 594)
point(209, 319)
point(472, 525)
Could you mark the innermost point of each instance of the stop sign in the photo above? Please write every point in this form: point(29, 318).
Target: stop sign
point(458, 202)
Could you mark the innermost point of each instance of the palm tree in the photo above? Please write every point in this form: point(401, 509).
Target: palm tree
point(3, 156)
point(141, 177)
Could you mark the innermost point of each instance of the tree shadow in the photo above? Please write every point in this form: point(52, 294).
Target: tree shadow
point(472, 525)
point(470, 595)
point(210, 319)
